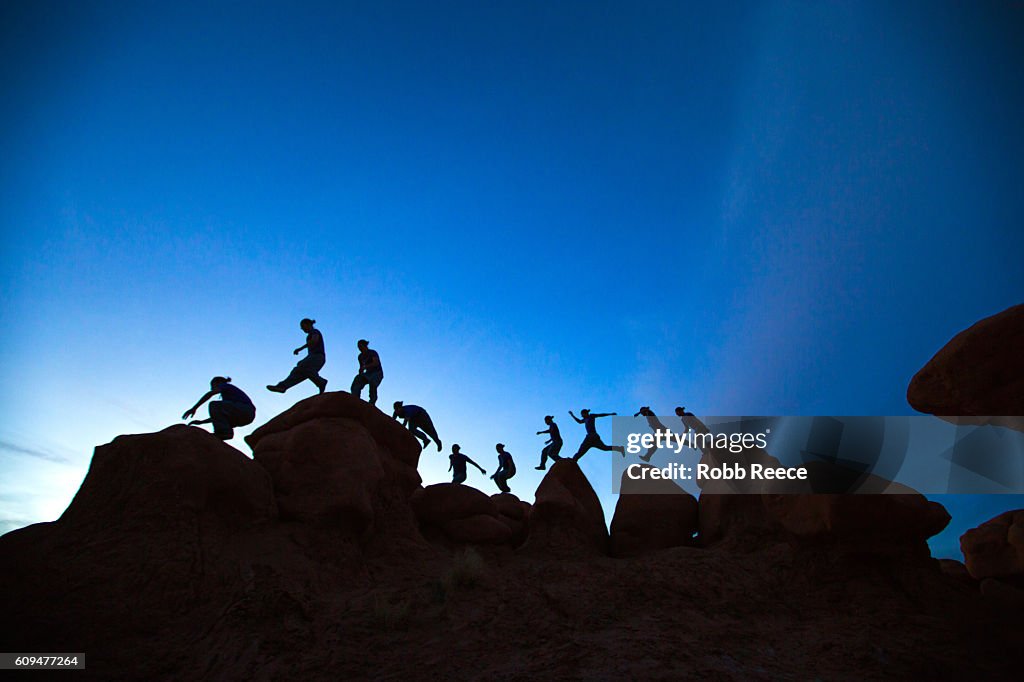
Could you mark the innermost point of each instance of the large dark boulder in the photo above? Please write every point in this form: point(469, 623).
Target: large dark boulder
point(515, 514)
point(462, 514)
point(442, 502)
point(566, 519)
point(995, 549)
point(979, 372)
point(338, 461)
point(145, 540)
point(651, 514)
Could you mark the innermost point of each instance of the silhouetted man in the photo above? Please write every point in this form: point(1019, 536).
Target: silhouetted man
point(309, 366)
point(416, 419)
point(458, 465)
point(553, 445)
point(233, 409)
point(655, 424)
point(370, 371)
point(592, 439)
point(690, 421)
point(506, 468)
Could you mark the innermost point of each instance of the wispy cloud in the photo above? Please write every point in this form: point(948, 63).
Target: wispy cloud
point(130, 412)
point(37, 453)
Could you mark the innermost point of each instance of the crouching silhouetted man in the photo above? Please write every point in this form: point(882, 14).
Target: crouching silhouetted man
point(233, 409)
point(506, 468)
point(416, 419)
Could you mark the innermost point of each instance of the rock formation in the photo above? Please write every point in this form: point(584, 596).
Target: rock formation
point(323, 558)
point(461, 514)
point(566, 519)
point(515, 514)
point(979, 372)
point(339, 461)
point(146, 540)
point(995, 549)
point(651, 515)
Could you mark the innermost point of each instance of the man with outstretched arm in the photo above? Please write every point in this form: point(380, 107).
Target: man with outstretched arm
point(592, 439)
point(458, 463)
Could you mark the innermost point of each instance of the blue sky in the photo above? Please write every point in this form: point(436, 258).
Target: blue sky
point(752, 208)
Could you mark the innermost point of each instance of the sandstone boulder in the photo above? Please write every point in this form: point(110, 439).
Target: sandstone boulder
point(385, 431)
point(995, 549)
point(338, 461)
point(464, 515)
point(873, 524)
point(515, 514)
point(139, 480)
point(951, 568)
point(651, 515)
point(481, 529)
point(1002, 593)
point(737, 519)
point(566, 519)
point(442, 502)
point(146, 539)
point(980, 371)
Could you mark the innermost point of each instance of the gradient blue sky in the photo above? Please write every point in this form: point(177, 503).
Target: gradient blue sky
point(527, 207)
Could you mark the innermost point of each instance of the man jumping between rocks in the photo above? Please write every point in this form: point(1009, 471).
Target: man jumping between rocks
point(592, 439)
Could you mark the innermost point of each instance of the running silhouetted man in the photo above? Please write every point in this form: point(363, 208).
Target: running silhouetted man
point(233, 409)
point(553, 445)
point(655, 424)
point(458, 465)
point(370, 371)
point(309, 366)
point(416, 419)
point(506, 468)
point(592, 439)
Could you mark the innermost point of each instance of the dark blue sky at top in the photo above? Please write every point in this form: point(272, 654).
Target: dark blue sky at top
point(760, 208)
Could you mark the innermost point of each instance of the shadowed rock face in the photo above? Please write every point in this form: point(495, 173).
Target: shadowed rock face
point(137, 482)
point(979, 372)
point(995, 549)
point(385, 431)
point(867, 524)
point(333, 460)
point(142, 542)
point(651, 515)
point(566, 519)
point(515, 514)
point(461, 514)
